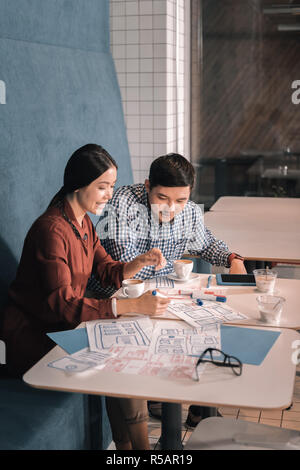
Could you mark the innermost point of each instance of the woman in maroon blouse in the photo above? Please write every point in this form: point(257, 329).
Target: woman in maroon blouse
point(60, 251)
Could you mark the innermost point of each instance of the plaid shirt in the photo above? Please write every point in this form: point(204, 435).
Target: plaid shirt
point(127, 229)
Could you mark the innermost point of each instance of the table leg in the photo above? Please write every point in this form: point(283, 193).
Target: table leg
point(208, 412)
point(251, 265)
point(171, 426)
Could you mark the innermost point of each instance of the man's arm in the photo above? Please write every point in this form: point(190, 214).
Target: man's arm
point(127, 252)
point(237, 266)
point(216, 252)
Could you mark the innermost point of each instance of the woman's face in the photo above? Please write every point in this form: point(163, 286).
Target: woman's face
point(92, 198)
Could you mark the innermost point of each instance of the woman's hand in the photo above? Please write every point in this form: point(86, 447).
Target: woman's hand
point(147, 304)
point(237, 267)
point(153, 257)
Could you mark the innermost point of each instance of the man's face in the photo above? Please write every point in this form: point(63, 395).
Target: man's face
point(166, 202)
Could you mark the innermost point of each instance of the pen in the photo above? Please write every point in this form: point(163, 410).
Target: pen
point(209, 281)
point(196, 293)
point(216, 298)
point(154, 292)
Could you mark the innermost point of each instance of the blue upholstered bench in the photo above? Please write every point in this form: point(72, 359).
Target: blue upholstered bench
point(200, 266)
point(32, 419)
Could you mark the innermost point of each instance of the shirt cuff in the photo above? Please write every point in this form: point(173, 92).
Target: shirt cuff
point(233, 256)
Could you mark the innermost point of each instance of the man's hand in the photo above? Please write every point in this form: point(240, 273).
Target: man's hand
point(153, 257)
point(237, 267)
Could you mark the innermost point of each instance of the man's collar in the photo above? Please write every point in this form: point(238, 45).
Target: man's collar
point(145, 199)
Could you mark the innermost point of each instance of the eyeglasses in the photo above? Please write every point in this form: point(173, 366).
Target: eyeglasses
point(219, 358)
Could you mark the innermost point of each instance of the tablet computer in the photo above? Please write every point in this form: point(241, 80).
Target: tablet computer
point(235, 279)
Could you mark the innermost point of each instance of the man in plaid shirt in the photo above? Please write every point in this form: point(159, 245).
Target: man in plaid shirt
point(159, 214)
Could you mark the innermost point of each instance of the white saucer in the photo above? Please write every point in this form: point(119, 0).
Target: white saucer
point(120, 295)
point(174, 277)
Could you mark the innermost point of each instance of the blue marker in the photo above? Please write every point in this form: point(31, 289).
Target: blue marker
point(154, 292)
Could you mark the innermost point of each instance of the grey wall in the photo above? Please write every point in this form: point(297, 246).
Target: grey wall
point(61, 93)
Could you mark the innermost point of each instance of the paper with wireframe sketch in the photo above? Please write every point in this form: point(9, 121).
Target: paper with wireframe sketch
point(206, 315)
point(176, 338)
point(103, 334)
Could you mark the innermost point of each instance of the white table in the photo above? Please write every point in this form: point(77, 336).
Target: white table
point(258, 386)
point(258, 205)
point(260, 237)
point(243, 299)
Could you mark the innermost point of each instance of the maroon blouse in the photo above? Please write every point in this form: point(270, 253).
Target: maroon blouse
point(48, 292)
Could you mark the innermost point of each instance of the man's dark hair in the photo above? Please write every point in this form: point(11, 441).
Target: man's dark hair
point(171, 170)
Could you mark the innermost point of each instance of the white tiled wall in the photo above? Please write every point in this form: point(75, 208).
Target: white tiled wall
point(149, 47)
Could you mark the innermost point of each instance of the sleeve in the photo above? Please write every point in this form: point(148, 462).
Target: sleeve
point(109, 271)
point(62, 300)
point(123, 231)
point(203, 243)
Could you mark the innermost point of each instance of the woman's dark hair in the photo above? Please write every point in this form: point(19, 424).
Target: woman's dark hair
point(84, 166)
point(171, 170)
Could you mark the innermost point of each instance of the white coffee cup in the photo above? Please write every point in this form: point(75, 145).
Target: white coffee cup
point(133, 288)
point(183, 268)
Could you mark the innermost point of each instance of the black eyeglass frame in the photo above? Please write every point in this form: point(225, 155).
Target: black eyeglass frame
point(237, 367)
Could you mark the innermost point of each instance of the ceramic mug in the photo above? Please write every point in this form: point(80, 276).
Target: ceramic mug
point(133, 288)
point(183, 268)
